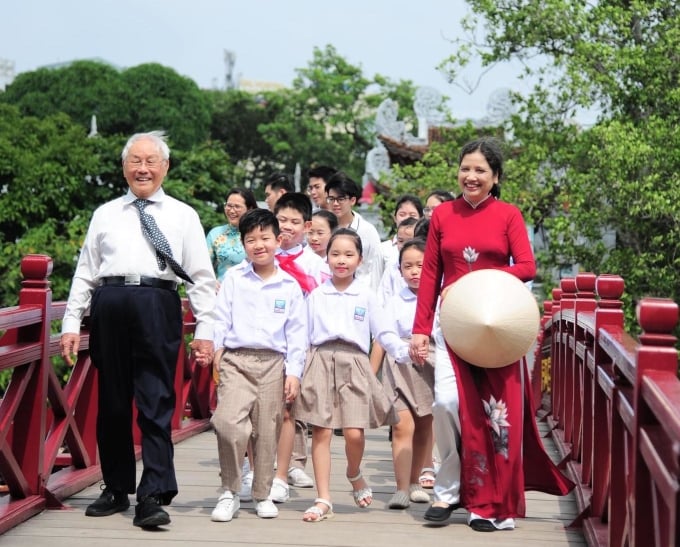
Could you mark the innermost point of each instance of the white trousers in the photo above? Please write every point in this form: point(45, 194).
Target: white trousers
point(446, 424)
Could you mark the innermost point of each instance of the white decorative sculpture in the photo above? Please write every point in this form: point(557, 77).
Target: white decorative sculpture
point(377, 162)
point(386, 122)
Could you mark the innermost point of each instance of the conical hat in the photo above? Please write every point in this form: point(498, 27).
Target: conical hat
point(489, 318)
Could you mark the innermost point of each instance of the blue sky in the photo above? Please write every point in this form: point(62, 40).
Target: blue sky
point(270, 38)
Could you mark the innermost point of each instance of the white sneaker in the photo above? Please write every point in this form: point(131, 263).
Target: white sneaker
point(280, 493)
point(246, 493)
point(245, 467)
point(299, 479)
point(266, 509)
point(226, 508)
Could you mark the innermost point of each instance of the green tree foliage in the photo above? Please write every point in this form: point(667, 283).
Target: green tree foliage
point(619, 59)
point(80, 90)
point(162, 99)
point(140, 98)
point(235, 122)
point(327, 117)
point(50, 178)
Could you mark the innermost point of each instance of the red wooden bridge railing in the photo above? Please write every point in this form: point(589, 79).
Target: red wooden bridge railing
point(48, 448)
point(614, 409)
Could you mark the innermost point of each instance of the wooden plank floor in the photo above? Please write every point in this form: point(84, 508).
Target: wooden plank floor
point(197, 473)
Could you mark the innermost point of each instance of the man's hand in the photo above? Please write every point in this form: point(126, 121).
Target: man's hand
point(69, 343)
point(291, 388)
point(203, 351)
point(419, 348)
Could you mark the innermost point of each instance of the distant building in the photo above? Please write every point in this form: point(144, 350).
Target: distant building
point(258, 86)
point(6, 73)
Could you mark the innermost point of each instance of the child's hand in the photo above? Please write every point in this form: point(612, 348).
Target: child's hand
point(419, 348)
point(203, 351)
point(291, 388)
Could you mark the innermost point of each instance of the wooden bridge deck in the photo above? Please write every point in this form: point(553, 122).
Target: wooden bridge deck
point(197, 473)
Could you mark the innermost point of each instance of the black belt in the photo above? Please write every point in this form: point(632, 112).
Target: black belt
point(138, 281)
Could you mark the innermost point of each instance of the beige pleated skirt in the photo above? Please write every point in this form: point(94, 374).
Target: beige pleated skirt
point(410, 386)
point(340, 390)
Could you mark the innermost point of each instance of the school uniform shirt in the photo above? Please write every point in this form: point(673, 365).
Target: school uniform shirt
point(392, 282)
point(400, 310)
point(258, 313)
point(389, 251)
point(115, 246)
point(371, 268)
point(352, 315)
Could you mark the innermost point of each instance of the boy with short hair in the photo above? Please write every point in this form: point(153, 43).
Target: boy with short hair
point(293, 210)
point(261, 329)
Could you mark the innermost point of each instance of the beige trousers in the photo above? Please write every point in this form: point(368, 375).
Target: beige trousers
point(250, 406)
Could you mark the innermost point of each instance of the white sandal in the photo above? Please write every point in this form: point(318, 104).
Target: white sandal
point(364, 494)
point(427, 474)
point(320, 515)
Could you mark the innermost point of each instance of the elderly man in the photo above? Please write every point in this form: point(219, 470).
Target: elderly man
point(137, 249)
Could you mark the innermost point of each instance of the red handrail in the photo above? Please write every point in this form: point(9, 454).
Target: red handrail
point(48, 448)
point(614, 411)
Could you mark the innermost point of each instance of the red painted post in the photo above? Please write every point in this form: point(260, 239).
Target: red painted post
point(29, 421)
point(568, 286)
point(652, 523)
point(584, 305)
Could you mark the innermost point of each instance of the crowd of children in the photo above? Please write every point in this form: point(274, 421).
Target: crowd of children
point(286, 361)
point(330, 311)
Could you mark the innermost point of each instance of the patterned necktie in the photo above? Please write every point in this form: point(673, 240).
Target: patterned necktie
point(153, 233)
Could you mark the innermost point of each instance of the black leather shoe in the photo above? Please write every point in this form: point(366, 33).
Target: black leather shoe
point(440, 514)
point(148, 513)
point(109, 502)
point(482, 525)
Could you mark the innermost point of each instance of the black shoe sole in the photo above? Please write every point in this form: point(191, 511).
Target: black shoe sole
point(152, 521)
point(89, 512)
point(440, 514)
point(481, 525)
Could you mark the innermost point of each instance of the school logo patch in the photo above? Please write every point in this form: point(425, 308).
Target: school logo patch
point(359, 313)
point(279, 306)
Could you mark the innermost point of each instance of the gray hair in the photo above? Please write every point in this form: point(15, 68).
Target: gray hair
point(158, 137)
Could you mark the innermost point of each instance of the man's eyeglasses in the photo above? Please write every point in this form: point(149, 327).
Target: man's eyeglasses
point(342, 199)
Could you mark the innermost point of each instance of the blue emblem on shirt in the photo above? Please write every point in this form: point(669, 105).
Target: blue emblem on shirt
point(359, 313)
point(279, 306)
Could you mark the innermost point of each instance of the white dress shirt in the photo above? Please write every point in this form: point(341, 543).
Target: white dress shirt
point(258, 313)
point(115, 246)
point(392, 282)
point(389, 251)
point(352, 315)
point(371, 268)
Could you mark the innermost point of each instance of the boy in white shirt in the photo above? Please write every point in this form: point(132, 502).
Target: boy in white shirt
point(293, 211)
point(261, 329)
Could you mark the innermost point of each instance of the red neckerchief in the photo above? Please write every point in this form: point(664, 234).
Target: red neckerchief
point(288, 265)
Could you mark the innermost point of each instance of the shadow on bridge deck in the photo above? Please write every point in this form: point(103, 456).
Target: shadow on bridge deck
point(197, 473)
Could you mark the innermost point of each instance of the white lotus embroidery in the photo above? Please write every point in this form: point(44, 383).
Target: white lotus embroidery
point(497, 412)
point(470, 256)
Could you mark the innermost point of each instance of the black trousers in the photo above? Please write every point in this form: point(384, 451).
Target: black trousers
point(134, 341)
